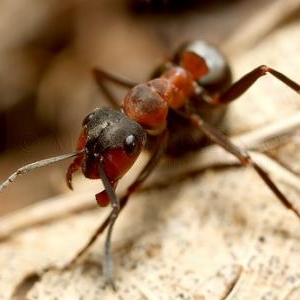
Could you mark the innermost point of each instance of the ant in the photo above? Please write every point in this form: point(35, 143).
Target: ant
point(174, 112)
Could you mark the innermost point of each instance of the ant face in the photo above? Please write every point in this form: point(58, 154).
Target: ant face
point(111, 137)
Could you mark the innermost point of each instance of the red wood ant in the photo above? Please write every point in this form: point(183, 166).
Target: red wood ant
point(175, 110)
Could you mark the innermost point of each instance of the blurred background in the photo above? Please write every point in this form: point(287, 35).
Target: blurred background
point(47, 50)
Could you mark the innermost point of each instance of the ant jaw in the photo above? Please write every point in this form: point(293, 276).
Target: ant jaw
point(72, 168)
point(77, 162)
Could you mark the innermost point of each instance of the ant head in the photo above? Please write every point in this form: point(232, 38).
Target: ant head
point(111, 137)
point(114, 138)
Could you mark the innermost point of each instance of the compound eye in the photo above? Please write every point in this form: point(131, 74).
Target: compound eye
point(131, 145)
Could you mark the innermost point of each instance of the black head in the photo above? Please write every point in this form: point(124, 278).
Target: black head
point(108, 129)
point(115, 139)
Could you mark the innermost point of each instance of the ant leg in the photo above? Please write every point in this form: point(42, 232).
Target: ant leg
point(100, 76)
point(244, 83)
point(110, 220)
point(220, 139)
point(36, 165)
